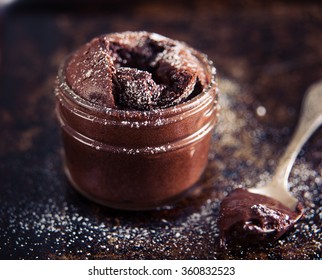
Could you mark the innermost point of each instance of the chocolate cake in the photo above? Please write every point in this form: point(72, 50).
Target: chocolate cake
point(136, 109)
point(136, 71)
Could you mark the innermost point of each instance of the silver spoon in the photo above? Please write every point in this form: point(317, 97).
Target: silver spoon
point(310, 120)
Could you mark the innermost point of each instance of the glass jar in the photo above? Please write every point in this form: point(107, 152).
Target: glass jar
point(136, 160)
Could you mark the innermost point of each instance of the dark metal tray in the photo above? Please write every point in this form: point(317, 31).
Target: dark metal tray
point(266, 56)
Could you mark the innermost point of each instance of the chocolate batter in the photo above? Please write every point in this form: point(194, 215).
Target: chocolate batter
point(250, 218)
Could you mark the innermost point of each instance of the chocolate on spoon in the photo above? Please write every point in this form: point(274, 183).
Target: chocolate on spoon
point(266, 213)
point(249, 217)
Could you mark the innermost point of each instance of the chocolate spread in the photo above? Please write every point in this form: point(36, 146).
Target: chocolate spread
point(135, 70)
point(250, 218)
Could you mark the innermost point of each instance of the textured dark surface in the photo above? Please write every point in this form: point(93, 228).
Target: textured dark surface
point(266, 56)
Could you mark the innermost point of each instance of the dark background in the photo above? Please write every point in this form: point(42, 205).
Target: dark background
point(266, 53)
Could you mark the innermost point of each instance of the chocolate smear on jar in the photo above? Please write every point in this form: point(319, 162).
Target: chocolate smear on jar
point(250, 218)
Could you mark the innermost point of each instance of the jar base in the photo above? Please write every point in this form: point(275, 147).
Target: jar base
point(128, 205)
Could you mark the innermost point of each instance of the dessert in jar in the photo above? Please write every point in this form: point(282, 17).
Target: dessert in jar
point(136, 111)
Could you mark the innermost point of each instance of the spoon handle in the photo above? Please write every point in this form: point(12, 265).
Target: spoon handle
point(310, 120)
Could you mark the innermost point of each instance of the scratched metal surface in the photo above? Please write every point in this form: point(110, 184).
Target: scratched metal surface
point(266, 56)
